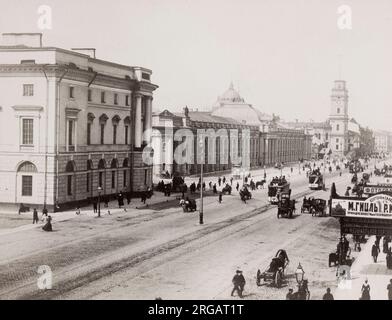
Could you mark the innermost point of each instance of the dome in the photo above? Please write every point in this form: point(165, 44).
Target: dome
point(231, 95)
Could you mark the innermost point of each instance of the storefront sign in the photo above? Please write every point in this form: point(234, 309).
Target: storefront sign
point(373, 189)
point(377, 207)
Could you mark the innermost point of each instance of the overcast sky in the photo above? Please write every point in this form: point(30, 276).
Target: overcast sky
point(283, 55)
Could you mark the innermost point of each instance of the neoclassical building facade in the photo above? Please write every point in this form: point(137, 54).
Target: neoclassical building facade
point(69, 124)
point(269, 142)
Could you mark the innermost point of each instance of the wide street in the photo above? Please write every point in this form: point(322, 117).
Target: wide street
point(159, 251)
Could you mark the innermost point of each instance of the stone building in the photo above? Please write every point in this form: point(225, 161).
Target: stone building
point(167, 125)
point(69, 124)
point(269, 141)
point(280, 143)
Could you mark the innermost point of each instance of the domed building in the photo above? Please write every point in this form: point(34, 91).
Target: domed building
point(231, 104)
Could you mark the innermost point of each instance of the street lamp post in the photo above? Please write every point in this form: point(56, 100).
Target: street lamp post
point(99, 201)
point(201, 218)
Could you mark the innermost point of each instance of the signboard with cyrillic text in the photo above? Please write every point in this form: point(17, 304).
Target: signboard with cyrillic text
point(373, 189)
point(377, 207)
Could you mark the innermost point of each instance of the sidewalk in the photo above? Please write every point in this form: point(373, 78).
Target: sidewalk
point(364, 268)
point(87, 211)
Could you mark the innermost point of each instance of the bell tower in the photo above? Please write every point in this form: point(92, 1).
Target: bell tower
point(338, 118)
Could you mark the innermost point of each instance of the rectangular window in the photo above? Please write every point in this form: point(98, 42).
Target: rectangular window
point(28, 90)
point(113, 179)
point(127, 100)
point(70, 132)
point(103, 97)
point(114, 134)
point(102, 133)
point(69, 185)
point(115, 98)
point(126, 134)
point(89, 95)
point(27, 132)
point(337, 147)
point(100, 180)
point(88, 183)
point(337, 127)
point(125, 178)
point(338, 110)
point(27, 186)
point(337, 140)
point(71, 92)
point(88, 134)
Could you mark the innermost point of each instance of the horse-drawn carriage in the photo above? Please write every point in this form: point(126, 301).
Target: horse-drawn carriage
point(276, 187)
point(286, 207)
point(274, 274)
point(188, 205)
point(314, 206)
point(316, 180)
point(226, 189)
point(245, 194)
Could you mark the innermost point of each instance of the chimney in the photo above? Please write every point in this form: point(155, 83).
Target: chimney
point(88, 51)
point(22, 39)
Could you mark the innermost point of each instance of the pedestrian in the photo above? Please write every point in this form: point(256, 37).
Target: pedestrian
point(238, 186)
point(389, 288)
point(375, 251)
point(328, 295)
point(210, 185)
point(224, 180)
point(389, 258)
point(291, 169)
point(214, 190)
point(45, 211)
point(219, 181)
point(365, 291)
point(35, 216)
point(120, 199)
point(95, 205)
point(128, 195)
point(220, 197)
point(231, 181)
point(239, 283)
point(48, 226)
point(290, 295)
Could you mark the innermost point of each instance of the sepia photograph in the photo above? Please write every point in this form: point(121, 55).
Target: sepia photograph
point(194, 150)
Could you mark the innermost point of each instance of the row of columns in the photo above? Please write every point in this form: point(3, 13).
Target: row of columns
point(146, 124)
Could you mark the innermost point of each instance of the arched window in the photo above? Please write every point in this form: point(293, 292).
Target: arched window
point(27, 166)
point(114, 164)
point(27, 179)
point(101, 164)
point(102, 122)
point(88, 176)
point(125, 163)
point(89, 164)
point(70, 168)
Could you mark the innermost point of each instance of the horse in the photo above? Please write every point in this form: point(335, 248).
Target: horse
point(260, 183)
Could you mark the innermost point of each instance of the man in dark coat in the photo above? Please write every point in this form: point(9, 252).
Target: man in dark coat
point(220, 197)
point(239, 283)
point(328, 295)
point(219, 181)
point(120, 199)
point(375, 251)
point(35, 216)
point(95, 205)
point(128, 195)
point(238, 186)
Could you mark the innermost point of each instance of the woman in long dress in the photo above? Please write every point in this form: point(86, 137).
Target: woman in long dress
point(48, 224)
point(365, 291)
